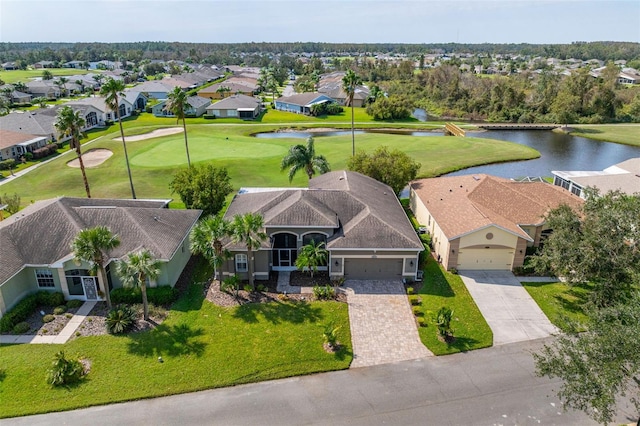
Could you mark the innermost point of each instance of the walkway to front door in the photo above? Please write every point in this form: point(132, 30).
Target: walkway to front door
point(383, 328)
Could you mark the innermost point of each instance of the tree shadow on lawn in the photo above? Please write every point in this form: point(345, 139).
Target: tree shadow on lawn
point(463, 344)
point(167, 340)
point(435, 281)
point(279, 312)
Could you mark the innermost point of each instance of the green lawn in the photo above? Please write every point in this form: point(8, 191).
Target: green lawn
point(203, 346)
point(628, 134)
point(26, 75)
point(441, 288)
point(250, 161)
point(560, 302)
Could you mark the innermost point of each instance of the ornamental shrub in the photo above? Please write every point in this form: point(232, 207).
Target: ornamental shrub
point(324, 292)
point(21, 327)
point(59, 310)
point(64, 371)
point(120, 319)
point(48, 318)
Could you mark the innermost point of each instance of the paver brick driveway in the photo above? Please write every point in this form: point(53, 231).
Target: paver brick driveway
point(383, 328)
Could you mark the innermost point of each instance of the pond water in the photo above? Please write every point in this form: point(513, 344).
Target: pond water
point(558, 151)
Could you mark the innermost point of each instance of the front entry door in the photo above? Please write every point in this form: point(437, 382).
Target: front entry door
point(90, 289)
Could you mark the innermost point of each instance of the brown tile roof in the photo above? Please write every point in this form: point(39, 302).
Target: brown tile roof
point(42, 233)
point(9, 138)
point(364, 212)
point(462, 204)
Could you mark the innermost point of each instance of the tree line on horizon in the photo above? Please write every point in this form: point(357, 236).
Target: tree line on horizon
point(234, 53)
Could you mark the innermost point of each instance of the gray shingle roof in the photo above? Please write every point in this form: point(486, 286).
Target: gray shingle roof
point(235, 102)
point(363, 212)
point(302, 99)
point(32, 122)
point(42, 233)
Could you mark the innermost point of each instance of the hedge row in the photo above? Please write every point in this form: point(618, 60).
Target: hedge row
point(27, 306)
point(163, 295)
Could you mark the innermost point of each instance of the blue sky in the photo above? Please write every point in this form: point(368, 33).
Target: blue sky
point(354, 21)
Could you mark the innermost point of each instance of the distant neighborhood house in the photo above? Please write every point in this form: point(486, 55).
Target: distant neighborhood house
point(197, 106)
point(237, 106)
point(624, 176)
point(301, 103)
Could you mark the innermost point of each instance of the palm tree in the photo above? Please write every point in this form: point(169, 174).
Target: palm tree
point(135, 270)
point(70, 123)
point(91, 245)
point(111, 90)
point(206, 239)
point(20, 86)
point(177, 103)
point(40, 100)
point(222, 90)
point(47, 75)
point(247, 229)
point(302, 157)
point(60, 82)
point(311, 256)
point(349, 83)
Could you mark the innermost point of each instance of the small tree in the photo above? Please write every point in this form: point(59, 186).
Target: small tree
point(202, 187)
point(311, 256)
point(443, 322)
point(12, 202)
point(64, 371)
point(41, 101)
point(135, 270)
point(394, 168)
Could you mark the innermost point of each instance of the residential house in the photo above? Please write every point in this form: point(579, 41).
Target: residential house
point(624, 176)
point(331, 85)
point(196, 106)
point(484, 222)
point(9, 66)
point(36, 245)
point(155, 89)
point(15, 145)
point(239, 106)
point(360, 220)
point(44, 64)
point(43, 88)
point(74, 64)
point(102, 111)
point(229, 87)
point(301, 103)
point(137, 99)
point(36, 122)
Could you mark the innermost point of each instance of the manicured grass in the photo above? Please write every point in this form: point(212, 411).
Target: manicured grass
point(628, 134)
point(203, 346)
point(250, 161)
point(441, 288)
point(26, 75)
point(560, 302)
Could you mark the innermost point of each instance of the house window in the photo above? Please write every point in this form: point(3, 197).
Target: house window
point(241, 263)
point(45, 278)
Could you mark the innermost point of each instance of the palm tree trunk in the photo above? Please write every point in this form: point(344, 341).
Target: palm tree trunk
point(250, 267)
point(353, 135)
point(84, 174)
point(145, 303)
point(186, 144)
point(124, 146)
point(105, 284)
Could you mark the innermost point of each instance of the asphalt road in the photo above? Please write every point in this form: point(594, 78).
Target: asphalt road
point(494, 386)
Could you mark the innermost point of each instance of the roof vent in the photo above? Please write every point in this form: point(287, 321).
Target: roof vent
point(476, 177)
point(450, 190)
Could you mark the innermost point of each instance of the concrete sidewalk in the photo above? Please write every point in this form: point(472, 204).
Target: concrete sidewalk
point(511, 313)
point(62, 337)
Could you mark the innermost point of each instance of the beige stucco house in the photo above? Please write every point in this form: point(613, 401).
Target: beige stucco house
point(482, 221)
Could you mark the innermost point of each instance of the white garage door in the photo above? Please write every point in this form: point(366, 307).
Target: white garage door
point(372, 269)
point(485, 259)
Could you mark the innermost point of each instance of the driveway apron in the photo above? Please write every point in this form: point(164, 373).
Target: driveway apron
point(383, 328)
point(511, 313)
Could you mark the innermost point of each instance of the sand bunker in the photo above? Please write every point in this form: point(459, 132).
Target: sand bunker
point(154, 134)
point(92, 158)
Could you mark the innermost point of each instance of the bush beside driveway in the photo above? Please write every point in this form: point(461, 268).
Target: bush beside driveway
point(440, 288)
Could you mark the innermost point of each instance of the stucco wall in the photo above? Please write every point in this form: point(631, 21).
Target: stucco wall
point(479, 238)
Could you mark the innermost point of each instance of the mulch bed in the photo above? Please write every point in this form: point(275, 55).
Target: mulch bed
point(94, 323)
point(47, 329)
point(304, 279)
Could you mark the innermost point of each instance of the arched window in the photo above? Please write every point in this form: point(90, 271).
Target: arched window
point(317, 237)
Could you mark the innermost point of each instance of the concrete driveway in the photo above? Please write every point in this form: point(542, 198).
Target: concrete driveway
point(383, 328)
point(509, 310)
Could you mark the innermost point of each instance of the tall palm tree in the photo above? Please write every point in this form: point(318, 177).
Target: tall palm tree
point(91, 246)
point(135, 270)
point(206, 239)
point(70, 123)
point(301, 157)
point(111, 90)
point(349, 83)
point(248, 229)
point(177, 104)
point(60, 82)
